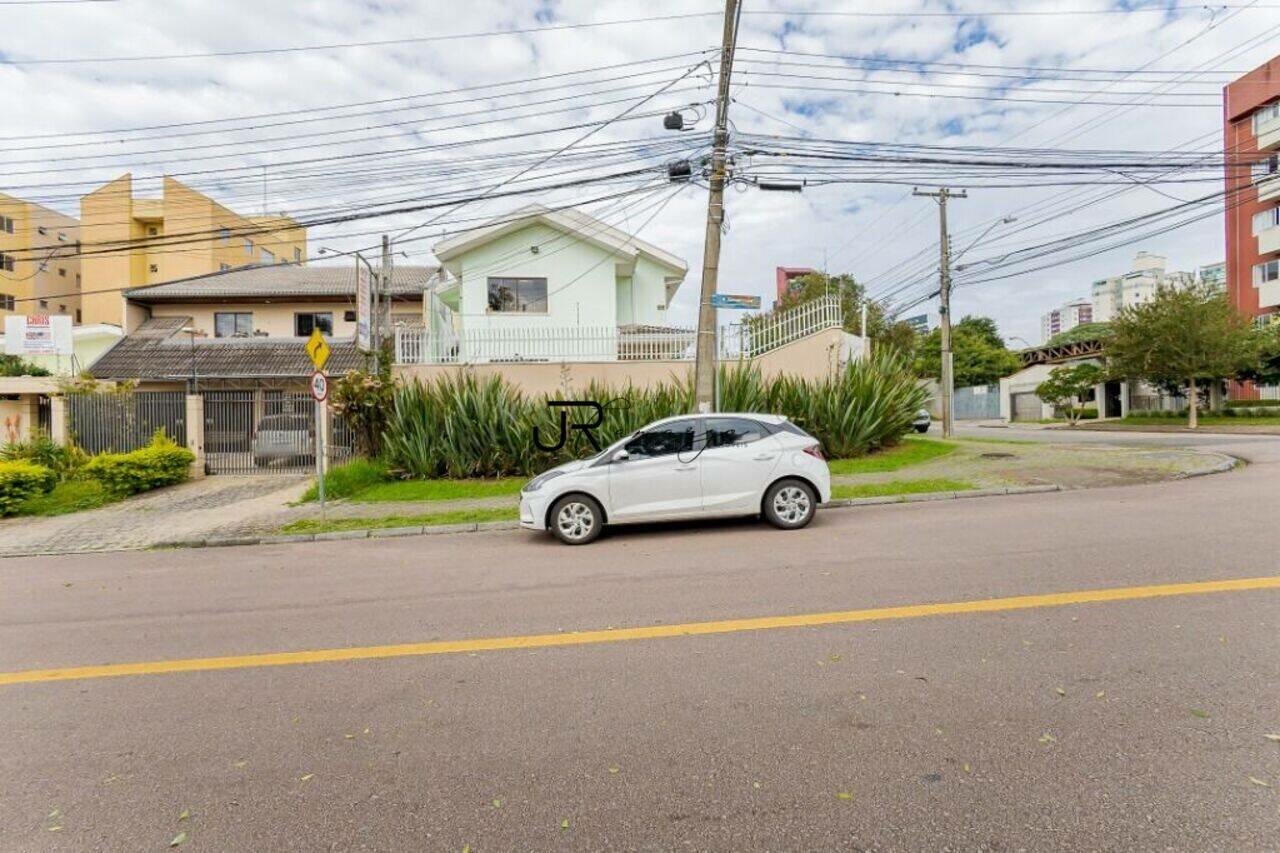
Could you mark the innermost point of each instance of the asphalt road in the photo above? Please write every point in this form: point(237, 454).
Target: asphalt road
point(1122, 725)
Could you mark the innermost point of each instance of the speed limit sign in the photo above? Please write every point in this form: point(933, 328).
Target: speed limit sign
point(319, 386)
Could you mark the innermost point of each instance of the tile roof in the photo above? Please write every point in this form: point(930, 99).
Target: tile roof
point(277, 281)
point(167, 359)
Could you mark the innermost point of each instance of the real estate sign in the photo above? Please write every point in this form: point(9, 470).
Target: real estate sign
point(364, 308)
point(39, 334)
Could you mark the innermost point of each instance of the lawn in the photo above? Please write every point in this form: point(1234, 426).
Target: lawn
point(68, 496)
point(912, 451)
point(438, 490)
point(900, 487)
point(1205, 420)
point(459, 516)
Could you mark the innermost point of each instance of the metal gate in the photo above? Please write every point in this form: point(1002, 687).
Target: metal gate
point(104, 423)
point(265, 432)
point(1027, 407)
point(977, 402)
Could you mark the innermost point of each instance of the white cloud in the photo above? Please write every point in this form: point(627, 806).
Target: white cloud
point(864, 229)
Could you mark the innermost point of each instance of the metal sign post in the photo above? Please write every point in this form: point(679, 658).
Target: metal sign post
point(320, 391)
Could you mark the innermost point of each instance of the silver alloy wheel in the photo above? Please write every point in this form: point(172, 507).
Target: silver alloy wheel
point(576, 520)
point(792, 504)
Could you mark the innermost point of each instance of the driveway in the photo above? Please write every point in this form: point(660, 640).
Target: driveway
point(187, 510)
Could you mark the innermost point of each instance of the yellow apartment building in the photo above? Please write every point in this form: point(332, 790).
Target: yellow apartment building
point(39, 270)
point(129, 242)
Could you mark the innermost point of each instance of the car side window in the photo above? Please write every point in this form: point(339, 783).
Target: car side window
point(662, 441)
point(726, 432)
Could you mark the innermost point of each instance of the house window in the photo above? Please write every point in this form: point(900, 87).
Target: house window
point(77, 279)
point(6, 224)
point(232, 324)
point(62, 309)
point(1265, 168)
point(153, 267)
point(305, 324)
point(297, 256)
point(1265, 220)
point(1264, 115)
point(224, 267)
point(8, 302)
point(152, 232)
point(224, 234)
point(248, 247)
point(77, 315)
point(519, 295)
point(6, 262)
point(62, 272)
point(268, 257)
point(41, 230)
point(62, 236)
point(44, 303)
point(1266, 273)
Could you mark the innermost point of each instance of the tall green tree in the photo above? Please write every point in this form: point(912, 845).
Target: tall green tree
point(886, 333)
point(1182, 336)
point(979, 355)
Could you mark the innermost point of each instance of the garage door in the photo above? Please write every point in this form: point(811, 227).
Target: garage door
point(1027, 407)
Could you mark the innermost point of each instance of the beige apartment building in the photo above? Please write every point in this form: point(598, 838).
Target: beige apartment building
point(130, 241)
point(39, 270)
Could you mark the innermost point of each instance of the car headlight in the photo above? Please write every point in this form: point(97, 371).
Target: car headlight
point(539, 481)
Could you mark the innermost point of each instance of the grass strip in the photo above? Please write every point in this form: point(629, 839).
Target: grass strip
point(460, 516)
point(901, 487)
point(66, 497)
point(438, 490)
point(911, 451)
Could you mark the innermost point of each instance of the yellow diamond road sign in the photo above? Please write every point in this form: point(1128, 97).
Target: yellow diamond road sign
point(318, 349)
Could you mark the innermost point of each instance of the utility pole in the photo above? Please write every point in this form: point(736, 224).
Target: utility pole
point(704, 372)
point(944, 304)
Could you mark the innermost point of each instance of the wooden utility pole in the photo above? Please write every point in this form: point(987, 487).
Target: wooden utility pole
point(704, 372)
point(947, 380)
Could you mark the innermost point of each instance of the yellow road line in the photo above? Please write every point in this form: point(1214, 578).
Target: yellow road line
point(652, 632)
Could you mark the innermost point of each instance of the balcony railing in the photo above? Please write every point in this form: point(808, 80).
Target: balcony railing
point(756, 336)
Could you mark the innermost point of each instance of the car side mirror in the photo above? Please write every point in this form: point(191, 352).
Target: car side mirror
point(621, 456)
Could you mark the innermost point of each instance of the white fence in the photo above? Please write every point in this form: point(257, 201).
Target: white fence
point(414, 345)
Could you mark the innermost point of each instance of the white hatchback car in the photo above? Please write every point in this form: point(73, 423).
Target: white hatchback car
point(690, 466)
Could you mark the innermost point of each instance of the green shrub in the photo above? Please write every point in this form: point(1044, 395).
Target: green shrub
point(343, 481)
point(41, 450)
point(462, 426)
point(160, 463)
point(20, 480)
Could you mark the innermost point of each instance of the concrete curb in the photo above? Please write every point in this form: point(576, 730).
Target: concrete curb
point(1228, 463)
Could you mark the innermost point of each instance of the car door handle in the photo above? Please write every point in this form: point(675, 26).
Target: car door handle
point(764, 457)
point(687, 468)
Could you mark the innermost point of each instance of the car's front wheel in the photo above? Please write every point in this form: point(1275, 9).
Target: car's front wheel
point(790, 504)
point(576, 519)
point(922, 428)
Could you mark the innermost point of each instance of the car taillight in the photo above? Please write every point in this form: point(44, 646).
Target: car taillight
point(814, 450)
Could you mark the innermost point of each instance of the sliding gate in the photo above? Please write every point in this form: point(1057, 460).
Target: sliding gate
point(265, 432)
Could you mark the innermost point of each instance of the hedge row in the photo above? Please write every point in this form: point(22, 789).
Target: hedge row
point(161, 463)
point(20, 480)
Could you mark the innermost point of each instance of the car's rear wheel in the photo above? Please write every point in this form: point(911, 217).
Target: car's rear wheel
point(576, 519)
point(790, 504)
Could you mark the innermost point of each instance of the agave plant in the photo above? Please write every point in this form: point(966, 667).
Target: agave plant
point(464, 426)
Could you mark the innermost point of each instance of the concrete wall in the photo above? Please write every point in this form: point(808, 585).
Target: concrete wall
point(813, 357)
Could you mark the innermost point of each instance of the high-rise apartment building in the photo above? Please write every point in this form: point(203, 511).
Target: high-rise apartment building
point(129, 242)
point(1138, 285)
point(1077, 312)
point(39, 269)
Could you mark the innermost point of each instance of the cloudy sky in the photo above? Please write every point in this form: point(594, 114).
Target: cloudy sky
point(458, 97)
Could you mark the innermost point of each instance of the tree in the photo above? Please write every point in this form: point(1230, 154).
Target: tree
point(12, 365)
point(979, 356)
point(1266, 367)
point(885, 332)
point(1183, 336)
point(1067, 385)
point(1083, 332)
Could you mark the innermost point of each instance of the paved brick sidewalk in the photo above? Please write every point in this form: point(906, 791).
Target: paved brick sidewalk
point(189, 510)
